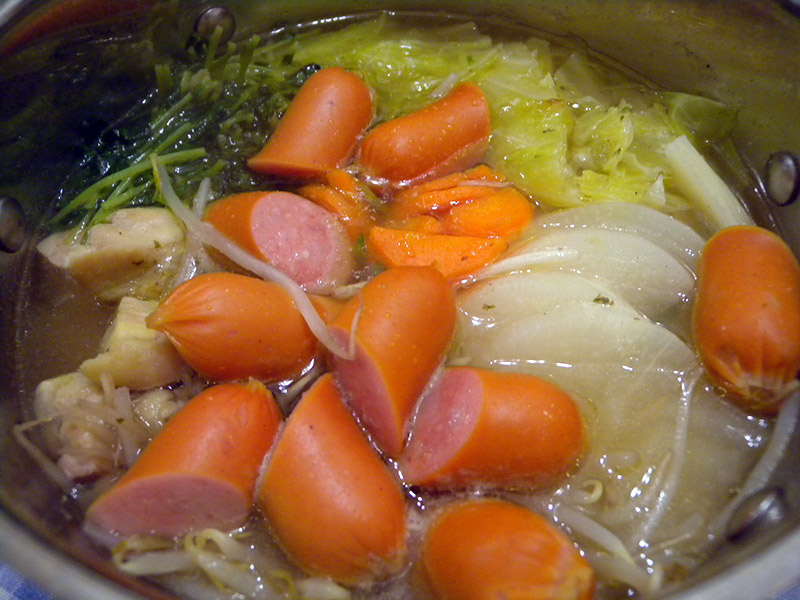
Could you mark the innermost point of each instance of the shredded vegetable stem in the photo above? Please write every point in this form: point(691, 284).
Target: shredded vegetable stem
point(53, 471)
point(765, 467)
point(614, 561)
point(706, 190)
point(228, 567)
point(212, 237)
point(523, 262)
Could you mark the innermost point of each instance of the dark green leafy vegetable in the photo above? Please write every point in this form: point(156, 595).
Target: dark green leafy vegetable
point(203, 119)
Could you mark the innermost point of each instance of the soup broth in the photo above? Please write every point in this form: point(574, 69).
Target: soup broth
point(593, 295)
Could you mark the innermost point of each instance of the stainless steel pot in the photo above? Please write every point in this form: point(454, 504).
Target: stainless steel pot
point(745, 52)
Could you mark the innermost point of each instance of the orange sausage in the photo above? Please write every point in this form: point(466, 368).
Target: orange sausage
point(303, 240)
point(321, 127)
point(480, 427)
point(746, 316)
point(199, 471)
point(406, 319)
point(449, 135)
point(228, 326)
point(491, 549)
point(334, 506)
point(454, 256)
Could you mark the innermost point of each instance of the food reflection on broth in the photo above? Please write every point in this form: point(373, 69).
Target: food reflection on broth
point(388, 290)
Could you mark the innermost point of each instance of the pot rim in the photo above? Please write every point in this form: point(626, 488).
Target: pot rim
point(51, 568)
point(69, 575)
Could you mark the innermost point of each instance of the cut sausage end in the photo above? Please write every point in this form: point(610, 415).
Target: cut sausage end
point(444, 422)
point(491, 429)
point(303, 240)
point(367, 394)
point(291, 233)
point(403, 321)
point(170, 505)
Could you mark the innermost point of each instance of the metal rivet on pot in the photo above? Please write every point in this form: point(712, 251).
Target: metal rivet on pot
point(12, 225)
point(782, 178)
point(757, 512)
point(210, 19)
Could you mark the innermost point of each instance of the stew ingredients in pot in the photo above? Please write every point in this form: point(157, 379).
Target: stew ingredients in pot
point(408, 310)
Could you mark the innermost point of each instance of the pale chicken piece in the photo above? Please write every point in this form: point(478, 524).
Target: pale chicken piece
point(133, 355)
point(83, 427)
point(135, 253)
point(154, 408)
point(85, 423)
point(56, 395)
point(78, 436)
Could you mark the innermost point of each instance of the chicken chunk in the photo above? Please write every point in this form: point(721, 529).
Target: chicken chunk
point(133, 355)
point(78, 437)
point(84, 425)
point(135, 253)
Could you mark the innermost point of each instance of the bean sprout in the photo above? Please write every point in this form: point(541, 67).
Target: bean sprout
point(766, 465)
point(523, 262)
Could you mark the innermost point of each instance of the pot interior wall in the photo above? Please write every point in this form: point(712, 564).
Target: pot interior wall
point(742, 52)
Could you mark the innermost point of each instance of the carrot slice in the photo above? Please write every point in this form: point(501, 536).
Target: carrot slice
point(200, 470)
point(332, 503)
point(479, 427)
point(436, 202)
point(346, 198)
point(420, 223)
point(746, 316)
point(504, 212)
point(477, 174)
point(449, 135)
point(453, 256)
point(321, 127)
point(290, 232)
point(489, 549)
point(229, 326)
point(435, 196)
point(404, 320)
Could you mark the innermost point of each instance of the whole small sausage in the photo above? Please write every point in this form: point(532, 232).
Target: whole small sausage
point(334, 506)
point(746, 316)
